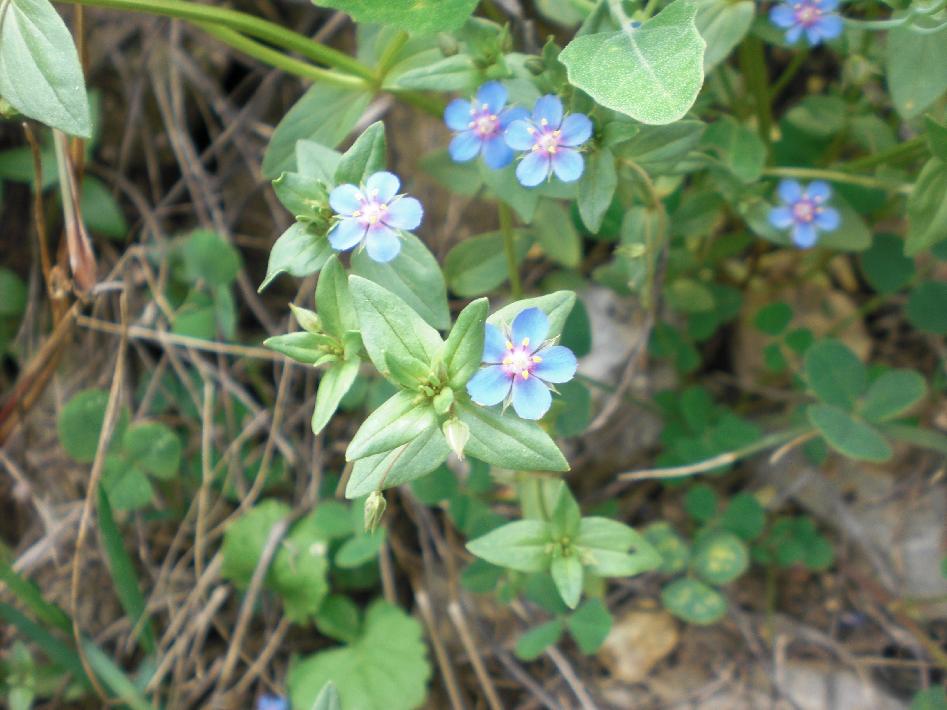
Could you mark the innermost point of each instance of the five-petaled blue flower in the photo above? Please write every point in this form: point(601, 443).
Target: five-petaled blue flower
point(373, 214)
point(520, 366)
point(814, 17)
point(804, 210)
point(480, 124)
point(552, 142)
point(272, 702)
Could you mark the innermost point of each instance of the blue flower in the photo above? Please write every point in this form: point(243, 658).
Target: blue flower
point(272, 702)
point(804, 210)
point(814, 17)
point(552, 142)
point(480, 124)
point(373, 214)
point(520, 365)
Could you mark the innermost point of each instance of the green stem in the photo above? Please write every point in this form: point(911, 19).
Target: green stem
point(795, 64)
point(837, 176)
point(509, 246)
point(391, 51)
point(753, 65)
point(277, 59)
point(908, 149)
point(241, 22)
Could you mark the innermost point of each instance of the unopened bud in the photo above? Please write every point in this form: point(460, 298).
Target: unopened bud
point(535, 65)
point(374, 510)
point(457, 434)
point(443, 400)
point(448, 45)
point(308, 320)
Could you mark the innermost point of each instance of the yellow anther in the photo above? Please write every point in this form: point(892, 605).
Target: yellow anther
point(551, 149)
point(507, 360)
point(525, 342)
point(509, 344)
point(537, 359)
point(357, 213)
point(543, 122)
point(492, 117)
point(530, 130)
point(525, 374)
point(557, 132)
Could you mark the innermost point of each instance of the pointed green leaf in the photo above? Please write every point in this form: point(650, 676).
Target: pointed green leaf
point(835, 374)
point(557, 306)
point(333, 300)
point(532, 644)
point(300, 250)
point(396, 422)
point(522, 546)
point(567, 574)
point(507, 441)
point(366, 156)
point(849, 436)
point(892, 394)
point(335, 382)
point(463, 350)
point(589, 625)
point(402, 464)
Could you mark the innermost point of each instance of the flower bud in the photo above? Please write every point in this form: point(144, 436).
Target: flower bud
point(535, 65)
point(448, 45)
point(457, 434)
point(308, 320)
point(374, 510)
point(443, 400)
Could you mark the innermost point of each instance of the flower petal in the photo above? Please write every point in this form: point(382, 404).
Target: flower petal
point(576, 129)
point(548, 107)
point(533, 169)
point(496, 153)
point(793, 34)
point(826, 5)
point(516, 113)
point(493, 94)
point(829, 26)
point(387, 186)
point(568, 164)
point(382, 244)
point(465, 146)
point(518, 135)
point(346, 233)
point(403, 213)
point(789, 191)
point(781, 217)
point(558, 364)
point(782, 16)
point(531, 326)
point(818, 190)
point(531, 398)
point(804, 235)
point(457, 115)
point(827, 219)
point(813, 36)
point(489, 386)
point(345, 199)
point(494, 345)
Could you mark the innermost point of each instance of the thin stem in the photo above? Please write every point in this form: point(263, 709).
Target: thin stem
point(795, 64)
point(242, 22)
point(905, 150)
point(837, 176)
point(277, 59)
point(509, 246)
point(753, 65)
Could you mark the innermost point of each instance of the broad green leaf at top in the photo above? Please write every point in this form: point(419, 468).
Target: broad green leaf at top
point(418, 16)
point(652, 73)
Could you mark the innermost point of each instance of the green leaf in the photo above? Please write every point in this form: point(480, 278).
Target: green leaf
point(927, 208)
point(652, 73)
point(605, 545)
point(556, 233)
point(892, 394)
point(460, 178)
point(597, 188)
point(386, 668)
point(124, 578)
point(658, 149)
point(720, 558)
point(523, 546)
point(127, 486)
point(40, 73)
point(773, 318)
point(154, 448)
point(744, 516)
point(509, 442)
point(565, 516)
point(834, 373)
point(80, 423)
point(325, 114)
point(454, 73)
point(333, 300)
point(314, 160)
point(700, 502)
point(885, 266)
point(927, 307)
point(740, 149)
point(689, 296)
point(532, 644)
point(245, 538)
point(936, 137)
point(506, 188)
point(391, 330)
point(366, 156)
point(674, 551)
point(590, 625)
point(567, 574)
point(12, 294)
point(359, 550)
point(400, 465)
point(300, 250)
point(303, 195)
point(415, 16)
point(463, 349)
point(557, 306)
point(932, 698)
point(478, 265)
point(328, 698)
point(209, 258)
point(396, 422)
point(694, 601)
point(335, 382)
point(338, 618)
point(906, 51)
point(847, 435)
point(102, 214)
point(307, 348)
point(722, 24)
point(414, 275)
point(299, 572)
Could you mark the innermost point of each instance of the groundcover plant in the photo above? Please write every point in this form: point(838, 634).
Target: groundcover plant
point(530, 335)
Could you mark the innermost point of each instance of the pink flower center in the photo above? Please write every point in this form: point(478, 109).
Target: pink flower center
point(372, 211)
point(484, 123)
point(519, 360)
point(804, 210)
point(546, 140)
point(806, 14)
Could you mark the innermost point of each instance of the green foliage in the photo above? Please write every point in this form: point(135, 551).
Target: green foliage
point(929, 699)
point(927, 307)
point(720, 557)
point(410, 15)
point(693, 601)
